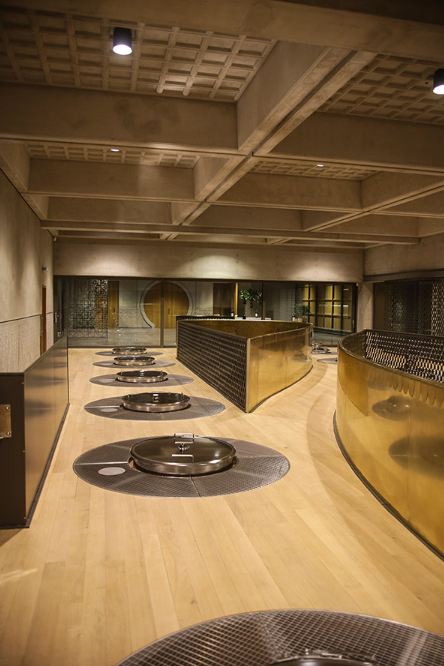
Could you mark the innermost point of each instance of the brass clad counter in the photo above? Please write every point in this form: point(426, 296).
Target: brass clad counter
point(391, 422)
point(247, 361)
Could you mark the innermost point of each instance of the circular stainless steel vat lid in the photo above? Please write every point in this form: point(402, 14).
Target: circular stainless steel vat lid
point(317, 348)
point(156, 402)
point(141, 376)
point(134, 360)
point(183, 455)
point(124, 351)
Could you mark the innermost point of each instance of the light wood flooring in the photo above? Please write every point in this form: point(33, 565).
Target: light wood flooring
point(99, 574)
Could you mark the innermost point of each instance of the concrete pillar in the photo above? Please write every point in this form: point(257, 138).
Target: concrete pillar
point(364, 314)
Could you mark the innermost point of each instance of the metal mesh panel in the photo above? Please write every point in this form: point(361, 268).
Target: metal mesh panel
point(419, 355)
point(220, 359)
point(85, 307)
point(437, 319)
point(415, 306)
point(258, 639)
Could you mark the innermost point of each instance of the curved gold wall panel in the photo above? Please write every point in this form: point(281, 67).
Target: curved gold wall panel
point(391, 425)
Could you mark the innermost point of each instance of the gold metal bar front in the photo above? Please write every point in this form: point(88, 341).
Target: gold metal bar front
point(391, 426)
point(277, 360)
point(276, 355)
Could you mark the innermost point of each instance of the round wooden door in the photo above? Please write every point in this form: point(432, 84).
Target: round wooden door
point(176, 303)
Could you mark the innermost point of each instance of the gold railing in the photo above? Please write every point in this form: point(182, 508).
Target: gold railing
point(247, 361)
point(391, 426)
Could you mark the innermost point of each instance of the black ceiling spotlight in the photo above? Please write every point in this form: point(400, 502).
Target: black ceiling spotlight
point(438, 82)
point(122, 41)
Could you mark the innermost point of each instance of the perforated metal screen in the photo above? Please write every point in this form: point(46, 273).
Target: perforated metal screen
point(220, 359)
point(415, 306)
point(422, 356)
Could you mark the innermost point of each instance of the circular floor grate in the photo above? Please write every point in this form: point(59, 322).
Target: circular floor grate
point(256, 466)
point(156, 364)
point(110, 380)
point(259, 639)
point(111, 408)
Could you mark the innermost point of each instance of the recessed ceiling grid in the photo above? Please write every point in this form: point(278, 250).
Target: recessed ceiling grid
point(87, 153)
point(391, 87)
point(56, 49)
point(295, 168)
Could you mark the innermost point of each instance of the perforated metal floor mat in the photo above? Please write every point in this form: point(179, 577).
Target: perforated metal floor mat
point(258, 639)
point(256, 466)
point(111, 408)
point(173, 380)
point(156, 364)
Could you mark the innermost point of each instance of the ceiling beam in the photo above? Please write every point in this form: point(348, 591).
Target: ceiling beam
point(287, 76)
point(109, 210)
point(377, 193)
point(44, 113)
point(231, 217)
point(364, 141)
point(15, 162)
point(384, 189)
point(430, 227)
point(426, 206)
point(269, 190)
point(115, 181)
point(209, 172)
point(206, 231)
point(380, 225)
point(320, 91)
point(396, 28)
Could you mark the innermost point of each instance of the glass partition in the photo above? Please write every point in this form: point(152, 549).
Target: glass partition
point(127, 311)
point(330, 306)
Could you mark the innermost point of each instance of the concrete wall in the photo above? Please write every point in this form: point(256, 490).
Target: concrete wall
point(426, 256)
point(364, 306)
point(24, 250)
point(213, 262)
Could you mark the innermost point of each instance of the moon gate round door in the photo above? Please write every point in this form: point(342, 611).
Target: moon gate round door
point(176, 303)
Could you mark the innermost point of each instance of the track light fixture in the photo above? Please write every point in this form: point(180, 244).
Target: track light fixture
point(122, 41)
point(438, 82)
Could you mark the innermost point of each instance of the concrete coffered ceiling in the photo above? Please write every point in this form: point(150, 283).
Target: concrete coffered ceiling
point(270, 122)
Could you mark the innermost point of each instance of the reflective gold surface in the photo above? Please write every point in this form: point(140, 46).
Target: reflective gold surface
point(277, 360)
point(247, 328)
point(391, 424)
point(278, 353)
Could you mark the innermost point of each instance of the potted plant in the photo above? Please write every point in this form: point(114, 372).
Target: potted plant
point(300, 312)
point(252, 296)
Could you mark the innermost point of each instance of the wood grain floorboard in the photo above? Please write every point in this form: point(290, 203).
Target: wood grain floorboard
point(99, 575)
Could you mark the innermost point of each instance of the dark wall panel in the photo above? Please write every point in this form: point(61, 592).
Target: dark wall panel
point(39, 398)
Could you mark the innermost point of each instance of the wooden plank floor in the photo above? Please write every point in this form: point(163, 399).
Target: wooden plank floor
point(99, 574)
